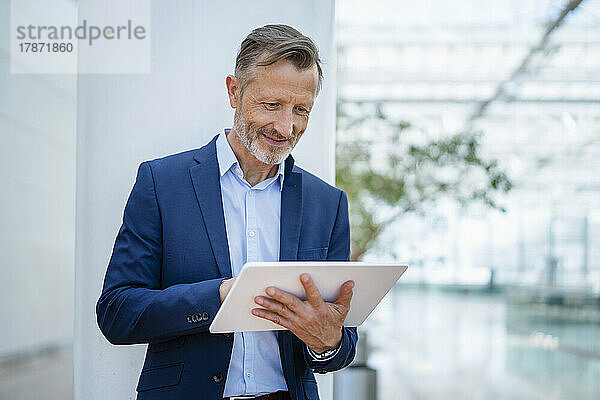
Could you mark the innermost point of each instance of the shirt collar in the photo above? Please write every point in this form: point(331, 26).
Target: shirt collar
point(226, 158)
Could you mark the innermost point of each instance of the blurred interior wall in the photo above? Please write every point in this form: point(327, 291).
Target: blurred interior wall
point(37, 205)
point(123, 120)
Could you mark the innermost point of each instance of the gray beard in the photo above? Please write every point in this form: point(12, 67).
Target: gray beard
point(250, 142)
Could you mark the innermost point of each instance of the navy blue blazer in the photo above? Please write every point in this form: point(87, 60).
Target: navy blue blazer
point(170, 256)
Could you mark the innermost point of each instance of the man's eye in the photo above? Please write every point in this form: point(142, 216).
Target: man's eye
point(302, 110)
point(271, 106)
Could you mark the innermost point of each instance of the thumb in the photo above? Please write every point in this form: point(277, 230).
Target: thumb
point(345, 294)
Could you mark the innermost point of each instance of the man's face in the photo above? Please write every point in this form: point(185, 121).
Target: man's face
point(272, 113)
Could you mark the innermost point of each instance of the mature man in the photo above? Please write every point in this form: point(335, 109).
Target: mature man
point(193, 219)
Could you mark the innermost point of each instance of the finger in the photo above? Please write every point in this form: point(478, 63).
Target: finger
point(271, 316)
point(289, 300)
point(312, 292)
point(276, 307)
point(345, 294)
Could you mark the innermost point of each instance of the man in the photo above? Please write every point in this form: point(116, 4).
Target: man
point(193, 219)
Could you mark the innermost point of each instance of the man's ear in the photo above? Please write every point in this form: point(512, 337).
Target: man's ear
point(233, 90)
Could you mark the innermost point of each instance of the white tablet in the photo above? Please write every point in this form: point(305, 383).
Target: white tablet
point(371, 283)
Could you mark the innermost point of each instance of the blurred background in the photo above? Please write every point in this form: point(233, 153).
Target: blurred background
point(468, 140)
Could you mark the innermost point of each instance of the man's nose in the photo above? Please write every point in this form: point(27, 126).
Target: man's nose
point(285, 125)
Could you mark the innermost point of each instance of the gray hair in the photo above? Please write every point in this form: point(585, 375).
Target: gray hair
point(271, 43)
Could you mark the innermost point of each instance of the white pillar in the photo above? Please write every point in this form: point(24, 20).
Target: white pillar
point(37, 200)
point(123, 120)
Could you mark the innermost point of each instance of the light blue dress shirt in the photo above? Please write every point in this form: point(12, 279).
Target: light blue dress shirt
point(252, 220)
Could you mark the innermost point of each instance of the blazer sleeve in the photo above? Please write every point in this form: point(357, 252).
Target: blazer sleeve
point(339, 250)
point(133, 308)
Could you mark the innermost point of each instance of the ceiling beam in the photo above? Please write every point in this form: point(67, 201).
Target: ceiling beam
point(522, 68)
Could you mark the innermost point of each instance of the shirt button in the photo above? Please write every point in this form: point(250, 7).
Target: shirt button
point(248, 373)
point(251, 233)
point(251, 193)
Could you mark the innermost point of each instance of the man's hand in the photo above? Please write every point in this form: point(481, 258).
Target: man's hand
point(226, 287)
point(315, 322)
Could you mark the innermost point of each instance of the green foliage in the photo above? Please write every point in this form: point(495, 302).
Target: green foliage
point(400, 170)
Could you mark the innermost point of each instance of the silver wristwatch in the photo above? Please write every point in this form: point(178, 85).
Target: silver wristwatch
point(324, 356)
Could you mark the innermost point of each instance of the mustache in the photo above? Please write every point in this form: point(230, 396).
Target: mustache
point(273, 134)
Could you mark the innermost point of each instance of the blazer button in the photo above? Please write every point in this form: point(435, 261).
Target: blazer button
point(205, 316)
point(228, 335)
point(218, 377)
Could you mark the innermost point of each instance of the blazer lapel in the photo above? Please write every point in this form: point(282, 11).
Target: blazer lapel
point(291, 213)
point(207, 186)
point(289, 237)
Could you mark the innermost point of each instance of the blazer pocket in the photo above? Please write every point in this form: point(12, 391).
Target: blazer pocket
point(157, 347)
point(155, 378)
point(317, 254)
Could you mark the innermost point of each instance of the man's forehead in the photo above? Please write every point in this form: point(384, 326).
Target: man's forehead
point(283, 92)
point(289, 81)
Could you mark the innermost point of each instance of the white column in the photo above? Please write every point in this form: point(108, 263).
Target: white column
point(37, 200)
point(123, 120)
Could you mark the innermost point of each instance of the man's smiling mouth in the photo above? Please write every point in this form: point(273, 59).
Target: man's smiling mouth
point(274, 142)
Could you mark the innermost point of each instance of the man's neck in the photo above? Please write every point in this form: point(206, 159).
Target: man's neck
point(255, 171)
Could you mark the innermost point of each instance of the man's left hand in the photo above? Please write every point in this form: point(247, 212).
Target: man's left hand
point(314, 321)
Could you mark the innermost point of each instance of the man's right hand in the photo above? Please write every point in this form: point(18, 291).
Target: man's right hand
point(225, 288)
